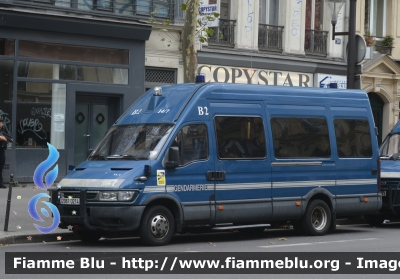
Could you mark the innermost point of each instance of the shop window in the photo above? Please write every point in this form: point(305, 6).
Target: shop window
point(240, 137)
point(71, 72)
point(6, 89)
point(40, 115)
point(7, 47)
point(73, 53)
point(353, 138)
point(300, 138)
point(100, 74)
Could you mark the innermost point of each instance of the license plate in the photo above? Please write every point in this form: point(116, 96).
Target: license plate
point(383, 193)
point(69, 201)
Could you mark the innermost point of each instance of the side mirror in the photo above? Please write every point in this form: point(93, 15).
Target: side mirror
point(173, 157)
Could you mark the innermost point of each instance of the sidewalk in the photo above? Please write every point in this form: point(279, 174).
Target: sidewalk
point(21, 228)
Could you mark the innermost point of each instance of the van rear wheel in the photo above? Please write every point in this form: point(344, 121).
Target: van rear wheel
point(157, 226)
point(317, 218)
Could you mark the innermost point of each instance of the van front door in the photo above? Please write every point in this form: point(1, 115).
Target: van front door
point(242, 168)
point(188, 181)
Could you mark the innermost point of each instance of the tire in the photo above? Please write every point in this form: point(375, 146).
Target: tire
point(317, 218)
point(87, 236)
point(375, 220)
point(157, 226)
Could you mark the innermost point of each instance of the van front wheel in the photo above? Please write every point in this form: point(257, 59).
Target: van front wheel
point(317, 218)
point(157, 226)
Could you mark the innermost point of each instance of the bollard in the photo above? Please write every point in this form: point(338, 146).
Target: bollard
point(8, 203)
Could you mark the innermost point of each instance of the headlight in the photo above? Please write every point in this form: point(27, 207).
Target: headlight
point(116, 195)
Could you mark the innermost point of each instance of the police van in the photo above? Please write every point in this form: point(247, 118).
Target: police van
point(390, 178)
point(226, 156)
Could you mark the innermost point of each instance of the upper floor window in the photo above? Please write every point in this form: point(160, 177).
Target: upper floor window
point(314, 12)
point(268, 12)
point(147, 8)
point(375, 17)
point(225, 9)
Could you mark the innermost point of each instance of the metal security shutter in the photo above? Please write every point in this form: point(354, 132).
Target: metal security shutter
point(159, 76)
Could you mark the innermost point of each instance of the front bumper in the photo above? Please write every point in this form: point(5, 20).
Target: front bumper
point(98, 216)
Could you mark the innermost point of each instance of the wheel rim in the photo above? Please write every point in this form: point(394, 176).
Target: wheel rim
point(159, 226)
point(319, 218)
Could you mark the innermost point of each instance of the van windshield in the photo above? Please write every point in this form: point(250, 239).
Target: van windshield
point(390, 148)
point(132, 142)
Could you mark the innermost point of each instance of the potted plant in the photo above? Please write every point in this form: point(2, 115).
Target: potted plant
point(369, 39)
point(386, 45)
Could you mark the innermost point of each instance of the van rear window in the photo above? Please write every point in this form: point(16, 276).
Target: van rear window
point(240, 137)
point(353, 138)
point(300, 137)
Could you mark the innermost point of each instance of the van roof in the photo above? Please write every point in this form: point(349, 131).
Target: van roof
point(174, 98)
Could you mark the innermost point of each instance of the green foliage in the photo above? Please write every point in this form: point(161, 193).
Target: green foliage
point(388, 41)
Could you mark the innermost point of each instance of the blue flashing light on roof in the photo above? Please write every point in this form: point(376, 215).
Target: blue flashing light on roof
point(200, 78)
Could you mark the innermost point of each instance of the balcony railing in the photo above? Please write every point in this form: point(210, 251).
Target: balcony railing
point(142, 9)
point(270, 37)
point(224, 34)
point(316, 42)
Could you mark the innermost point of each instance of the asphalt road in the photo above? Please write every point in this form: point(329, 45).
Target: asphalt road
point(347, 238)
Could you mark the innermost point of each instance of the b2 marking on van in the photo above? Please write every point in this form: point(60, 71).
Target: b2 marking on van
point(191, 187)
point(203, 110)
point(136, 111)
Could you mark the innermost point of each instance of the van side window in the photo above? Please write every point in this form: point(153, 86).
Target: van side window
point(240, 137)
point(353, 138)
point(300, 137)
point(192, 141)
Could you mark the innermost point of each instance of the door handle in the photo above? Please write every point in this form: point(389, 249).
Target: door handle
point(86, 135)
point(216, 175)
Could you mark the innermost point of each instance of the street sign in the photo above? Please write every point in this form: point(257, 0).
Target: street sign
point(361, 49)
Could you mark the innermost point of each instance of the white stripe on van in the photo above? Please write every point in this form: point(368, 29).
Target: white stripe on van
point(266, 185)
point(390, 174)
point(348, 182)
point(312, 183)
point(154, 189)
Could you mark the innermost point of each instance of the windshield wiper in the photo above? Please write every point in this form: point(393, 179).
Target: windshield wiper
point(119, 156)
point(97, 156)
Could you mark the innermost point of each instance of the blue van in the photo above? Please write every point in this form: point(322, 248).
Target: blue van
point(226, 156)
point(390, 178)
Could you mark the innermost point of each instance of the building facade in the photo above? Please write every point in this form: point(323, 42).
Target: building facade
point(65, 78)
point(289, 42)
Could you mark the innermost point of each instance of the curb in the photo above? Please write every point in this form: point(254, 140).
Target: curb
point(36, 238)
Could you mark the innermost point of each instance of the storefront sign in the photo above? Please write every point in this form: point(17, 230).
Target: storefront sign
point(208, 10)
point(329, 81)
point(214, 73)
